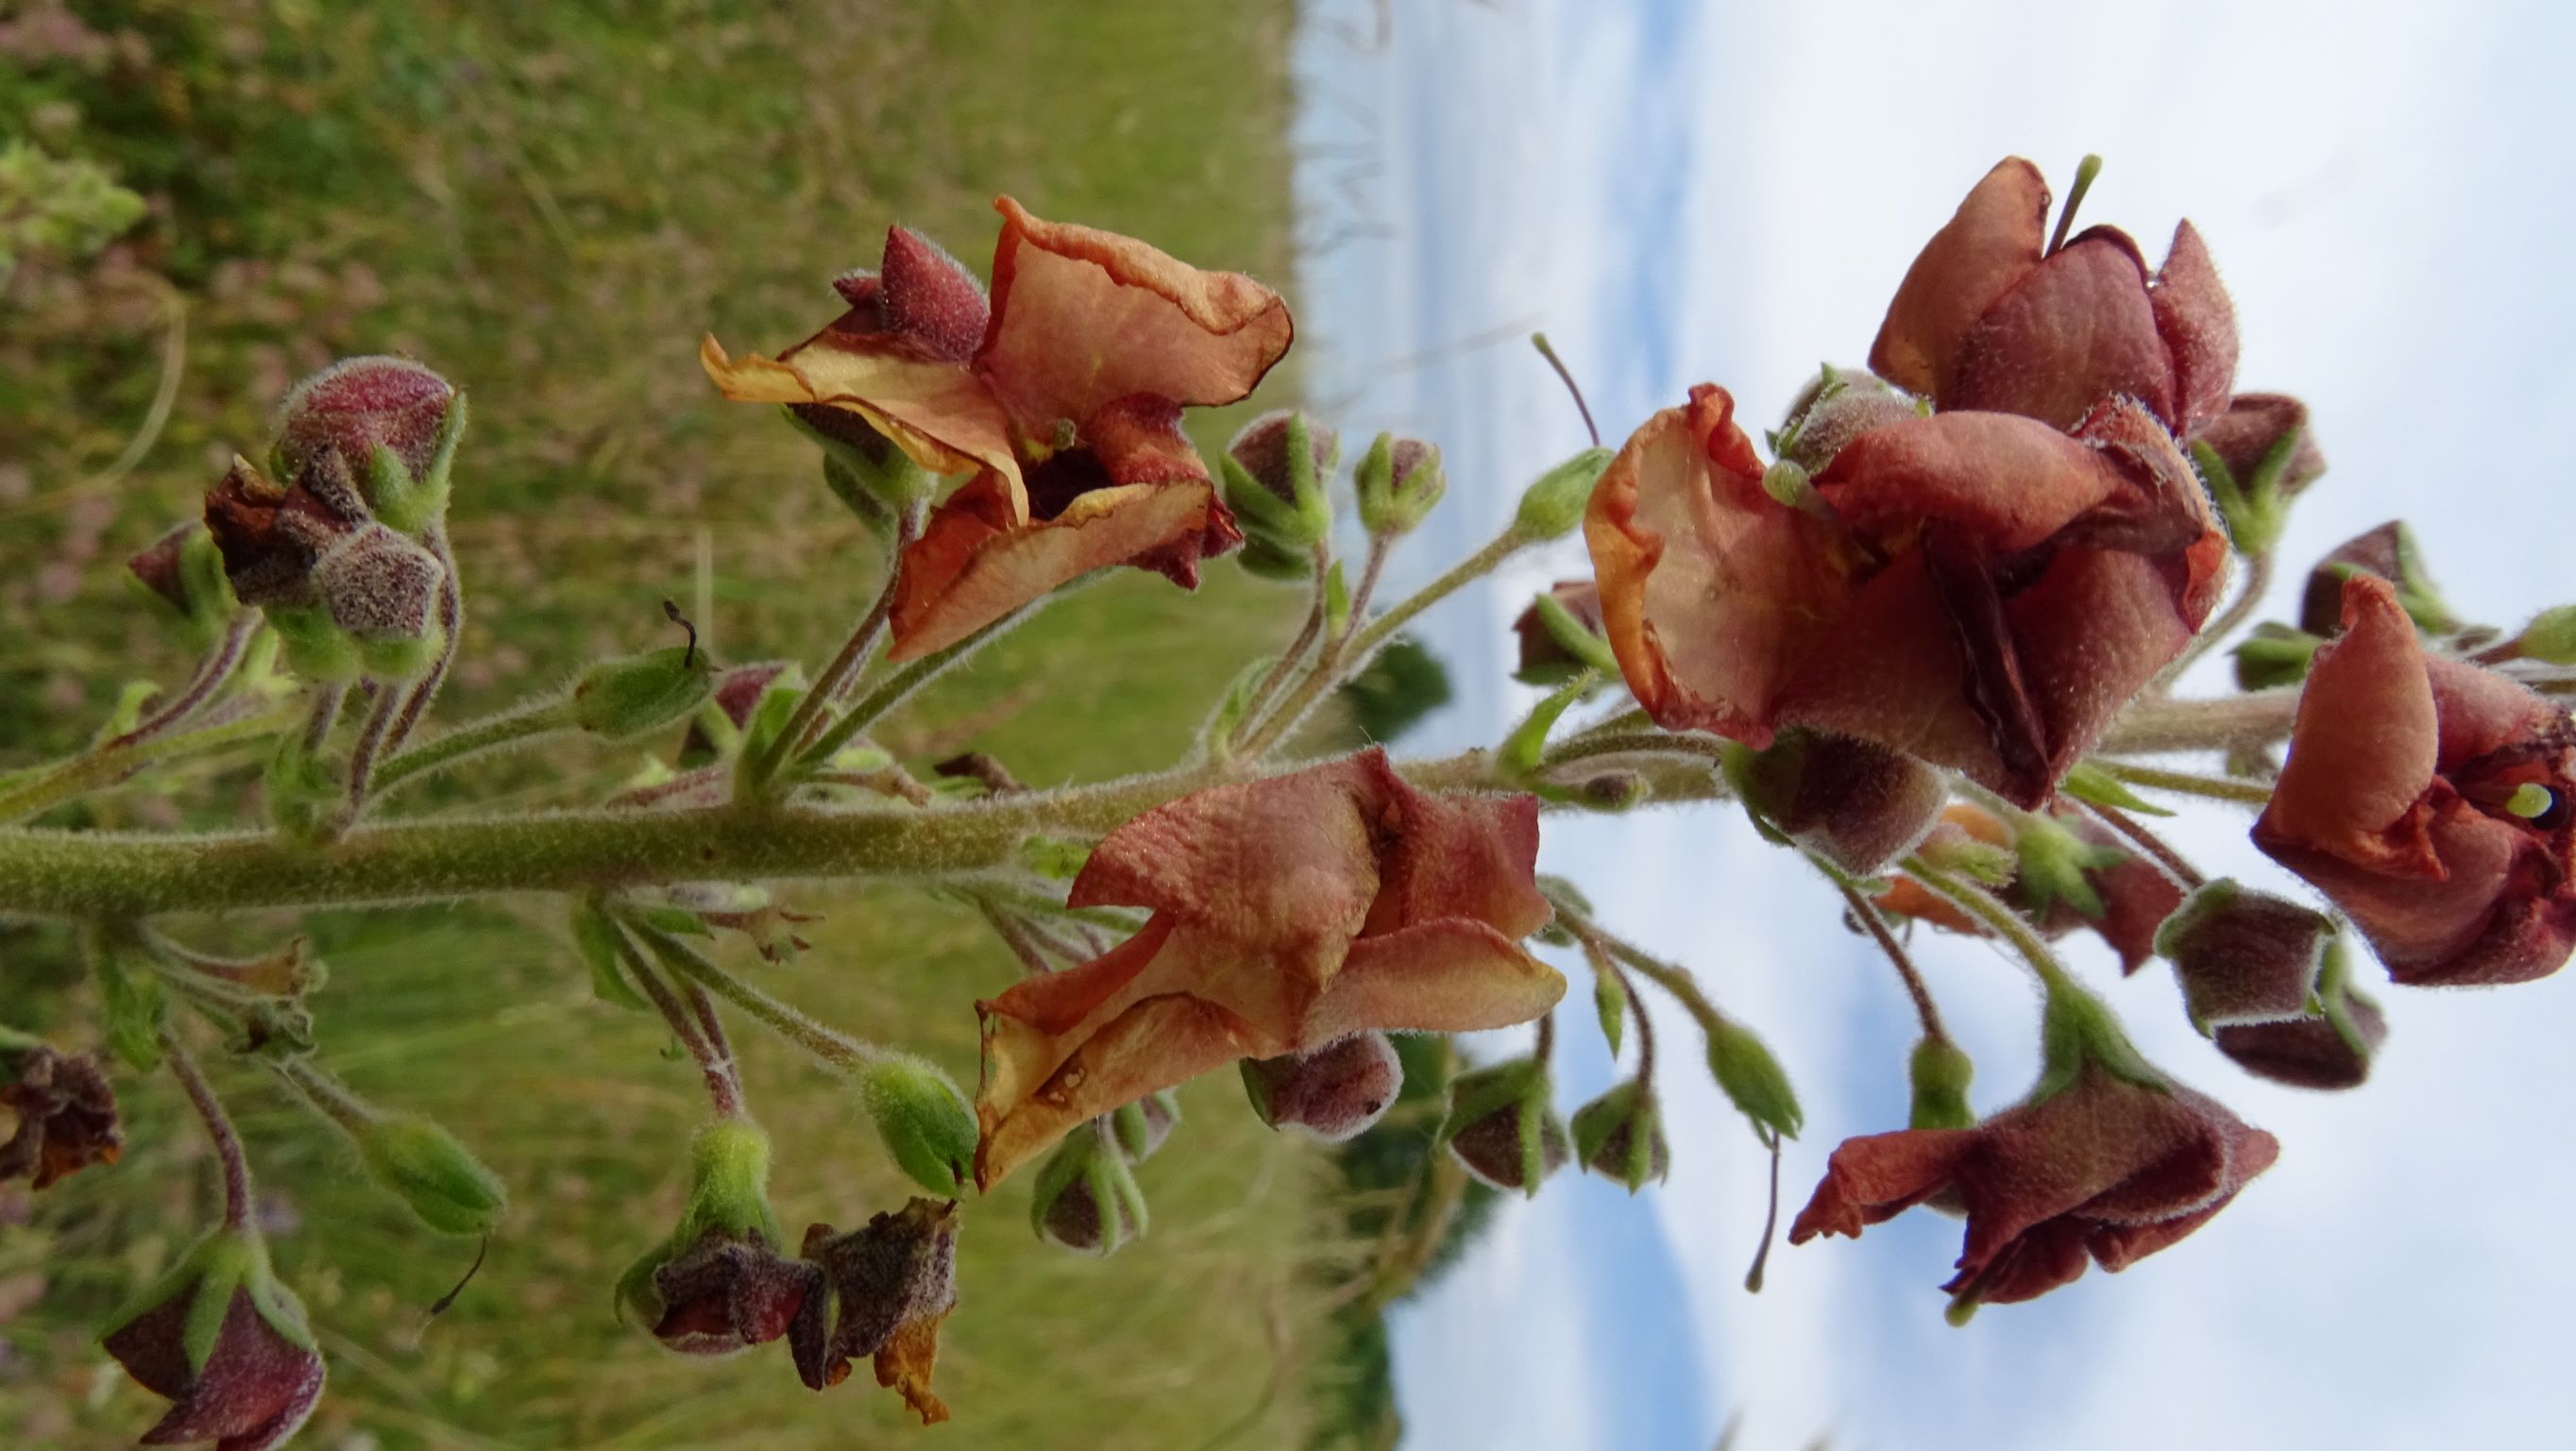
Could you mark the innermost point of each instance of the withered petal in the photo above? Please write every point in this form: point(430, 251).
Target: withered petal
point(1152, 1045)
point(2363, 746)
point(1993, 241)
point(2198, 324)
point(1446, 976)
point(937, 412)
point(2076, 329)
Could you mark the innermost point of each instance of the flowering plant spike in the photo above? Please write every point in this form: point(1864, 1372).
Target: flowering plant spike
point(1926, 637)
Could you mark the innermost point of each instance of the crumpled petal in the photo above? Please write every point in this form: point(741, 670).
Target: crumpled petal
point(1286, 912)
point(2364, 745)
point(1083, 318)
point(1993, 241)
point(937, 412)
point(2198, 323)
point(2075, 330)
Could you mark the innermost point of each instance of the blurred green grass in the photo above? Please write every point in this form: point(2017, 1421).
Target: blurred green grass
point(549, 203)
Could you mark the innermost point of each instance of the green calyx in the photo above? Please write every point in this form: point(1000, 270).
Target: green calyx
point(229, 1260)
point(2076, 1029)
point(728, 1195)
point(132, 1001)
point(1292, 513)
point(2551, 636)
point(2257, 506)
point(438, 1178)
point(1397, 494)
point(639, 694)
point(1554, 502)
point(1939, 1073)
point(2054, 866)
point(1620, 1136)
point(871, 476)
point(1582, 648)
point(2274, 654)
point(1523, 1090)
point(1087, 1164)
point(1753, 1080)
point(925, 1121)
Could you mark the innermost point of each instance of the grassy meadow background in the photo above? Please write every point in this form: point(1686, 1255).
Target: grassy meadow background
point(549, 203)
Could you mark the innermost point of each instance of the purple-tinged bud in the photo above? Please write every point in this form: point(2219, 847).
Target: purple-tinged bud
point(2330, 1048)
point(1398, 483)
point(343, 591)
point(226, 1344)
point(66, 1114)
point(1142, 1126)
point(1503, 1127)
point(1620, 1136)
point(2258, 426)
point(395, 424)
point(1333, 1092)
point(2243, 956)
point(2389, 552)
point(1857, 804)
point(1837, 406)
point(886, 1288)
point(1086, 1198)
point(1560, 635)
point(1276, 472)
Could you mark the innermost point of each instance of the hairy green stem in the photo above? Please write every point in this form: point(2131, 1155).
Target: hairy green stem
point(843, 671)
point(2003, 921)
point(891, 691)
point(2156, 726)
point(2243, 793)
point(105, 767)
point(516, 726)
point(835, 1050)
point(1290, 658)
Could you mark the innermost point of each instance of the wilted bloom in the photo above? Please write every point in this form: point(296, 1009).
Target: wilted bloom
point(719, 1283)
point(247, 1386)
point(1065, 398)
point(886, 1288)
point(1988, 319)
point(2430, 799)
point(1331, 1092)
point(391, 421)
point(66, 1115)
point(1287, 912)
point(1976, 589)
point(2244, 957)
point(1855, 804)
point(2106, 1158)
point(343, 591)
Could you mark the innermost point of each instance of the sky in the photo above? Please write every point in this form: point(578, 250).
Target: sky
point(1681, 193)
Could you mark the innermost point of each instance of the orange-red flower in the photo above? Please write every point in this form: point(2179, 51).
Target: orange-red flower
point(1977, 589)
point(1987, 318)
point(1063, 397)
point(2432, 800)
point(2104, 1167)
point(1287, 912)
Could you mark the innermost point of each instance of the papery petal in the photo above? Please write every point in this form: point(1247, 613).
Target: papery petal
point(1712, 592)
point(2077, 329)
point(1156, 1044)
point(1288, 858)
point(905, 1365)
point(937, 412)
point(1449, 976)
point(1993, 241)
point(971, 567)
point(2198, 324)
point(1876, 1177)
point(1029, 1030)
point(2009, 482)
point(2045, 1257)
point(1082, 318)
point(1453, 856)
point(2363, 746)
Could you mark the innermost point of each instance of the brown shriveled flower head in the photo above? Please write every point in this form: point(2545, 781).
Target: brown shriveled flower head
point(728, 1292)
point(1066, 406)
point(1287, 912)
point(1976, 589)
point(887, 1287)
point(2103, 1167)
point(1988, 319)
point(66, 1116)
point(2431, 800)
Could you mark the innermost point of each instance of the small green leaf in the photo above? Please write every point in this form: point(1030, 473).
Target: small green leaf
point(1610, 1001)
point(2090, 782)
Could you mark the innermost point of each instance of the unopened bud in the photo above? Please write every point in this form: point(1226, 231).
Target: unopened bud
point(2274, 654)
point(717, 726)
point(424, 1166)
point(1612, 791)
point(872, 477)
point(344, 592)
point(1266, 558)
point(1837, 406)
point(1086, 1198)
point(2055, 865)
point(639, 694)
point(926, 1123)
point(2264, 447)
point(1857, 804)
point(1560, 635)
point(2243, 956)
point(1939, 1072)
point(381, 589)
point(395, 424)
point(226, 1344)
point(1752, 1079)
point(1333, 1092)
point(1502, 1125)
point(1399, 481)
point(2388, 551)
point(1620, 1136)
point(1276, 472)
point(1554, 502)
point(2330, 1048)
point(2551, 636)
point(1142, 1126)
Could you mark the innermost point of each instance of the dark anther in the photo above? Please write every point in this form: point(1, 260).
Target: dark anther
point(671, 611)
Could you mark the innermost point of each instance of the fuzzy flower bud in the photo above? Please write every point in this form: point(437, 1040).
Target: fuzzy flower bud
point(1398, 482)
point(1142, 1126)
point(2330, 1048)
point(2389, 552)
point(423, 1165)
point(1560, 635)
point(226, 1344)
point(1939, 1072)
point(1333, 1092)
point(1503, 1126)
point(1620, 1136)
point(639, 694)
point(925, 1121)
point(1086, 1198)
point(393, 422)
point(2242, 956)
point(1275, 475)
point(344, 592)
point(1857, 804)
point(1753, 1080)
point(1837, 406)
point(1554, 502)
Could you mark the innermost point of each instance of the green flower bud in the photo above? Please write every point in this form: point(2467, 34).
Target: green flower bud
point(1752, 1079)
point(1140, 1127)
point(926, 1123)
point(424, 1166)
point(2551, 636)
point(1837, 406)
point(1620, 1136)
point(1398, 482)
point(1560, 635)
point(872, 478)
point(1554, 503)
point(2054, 864)
point(639, 694)
point(1502, 1125)
point(1086, 1198)
point(1275, 473)
point(1940, 1071)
